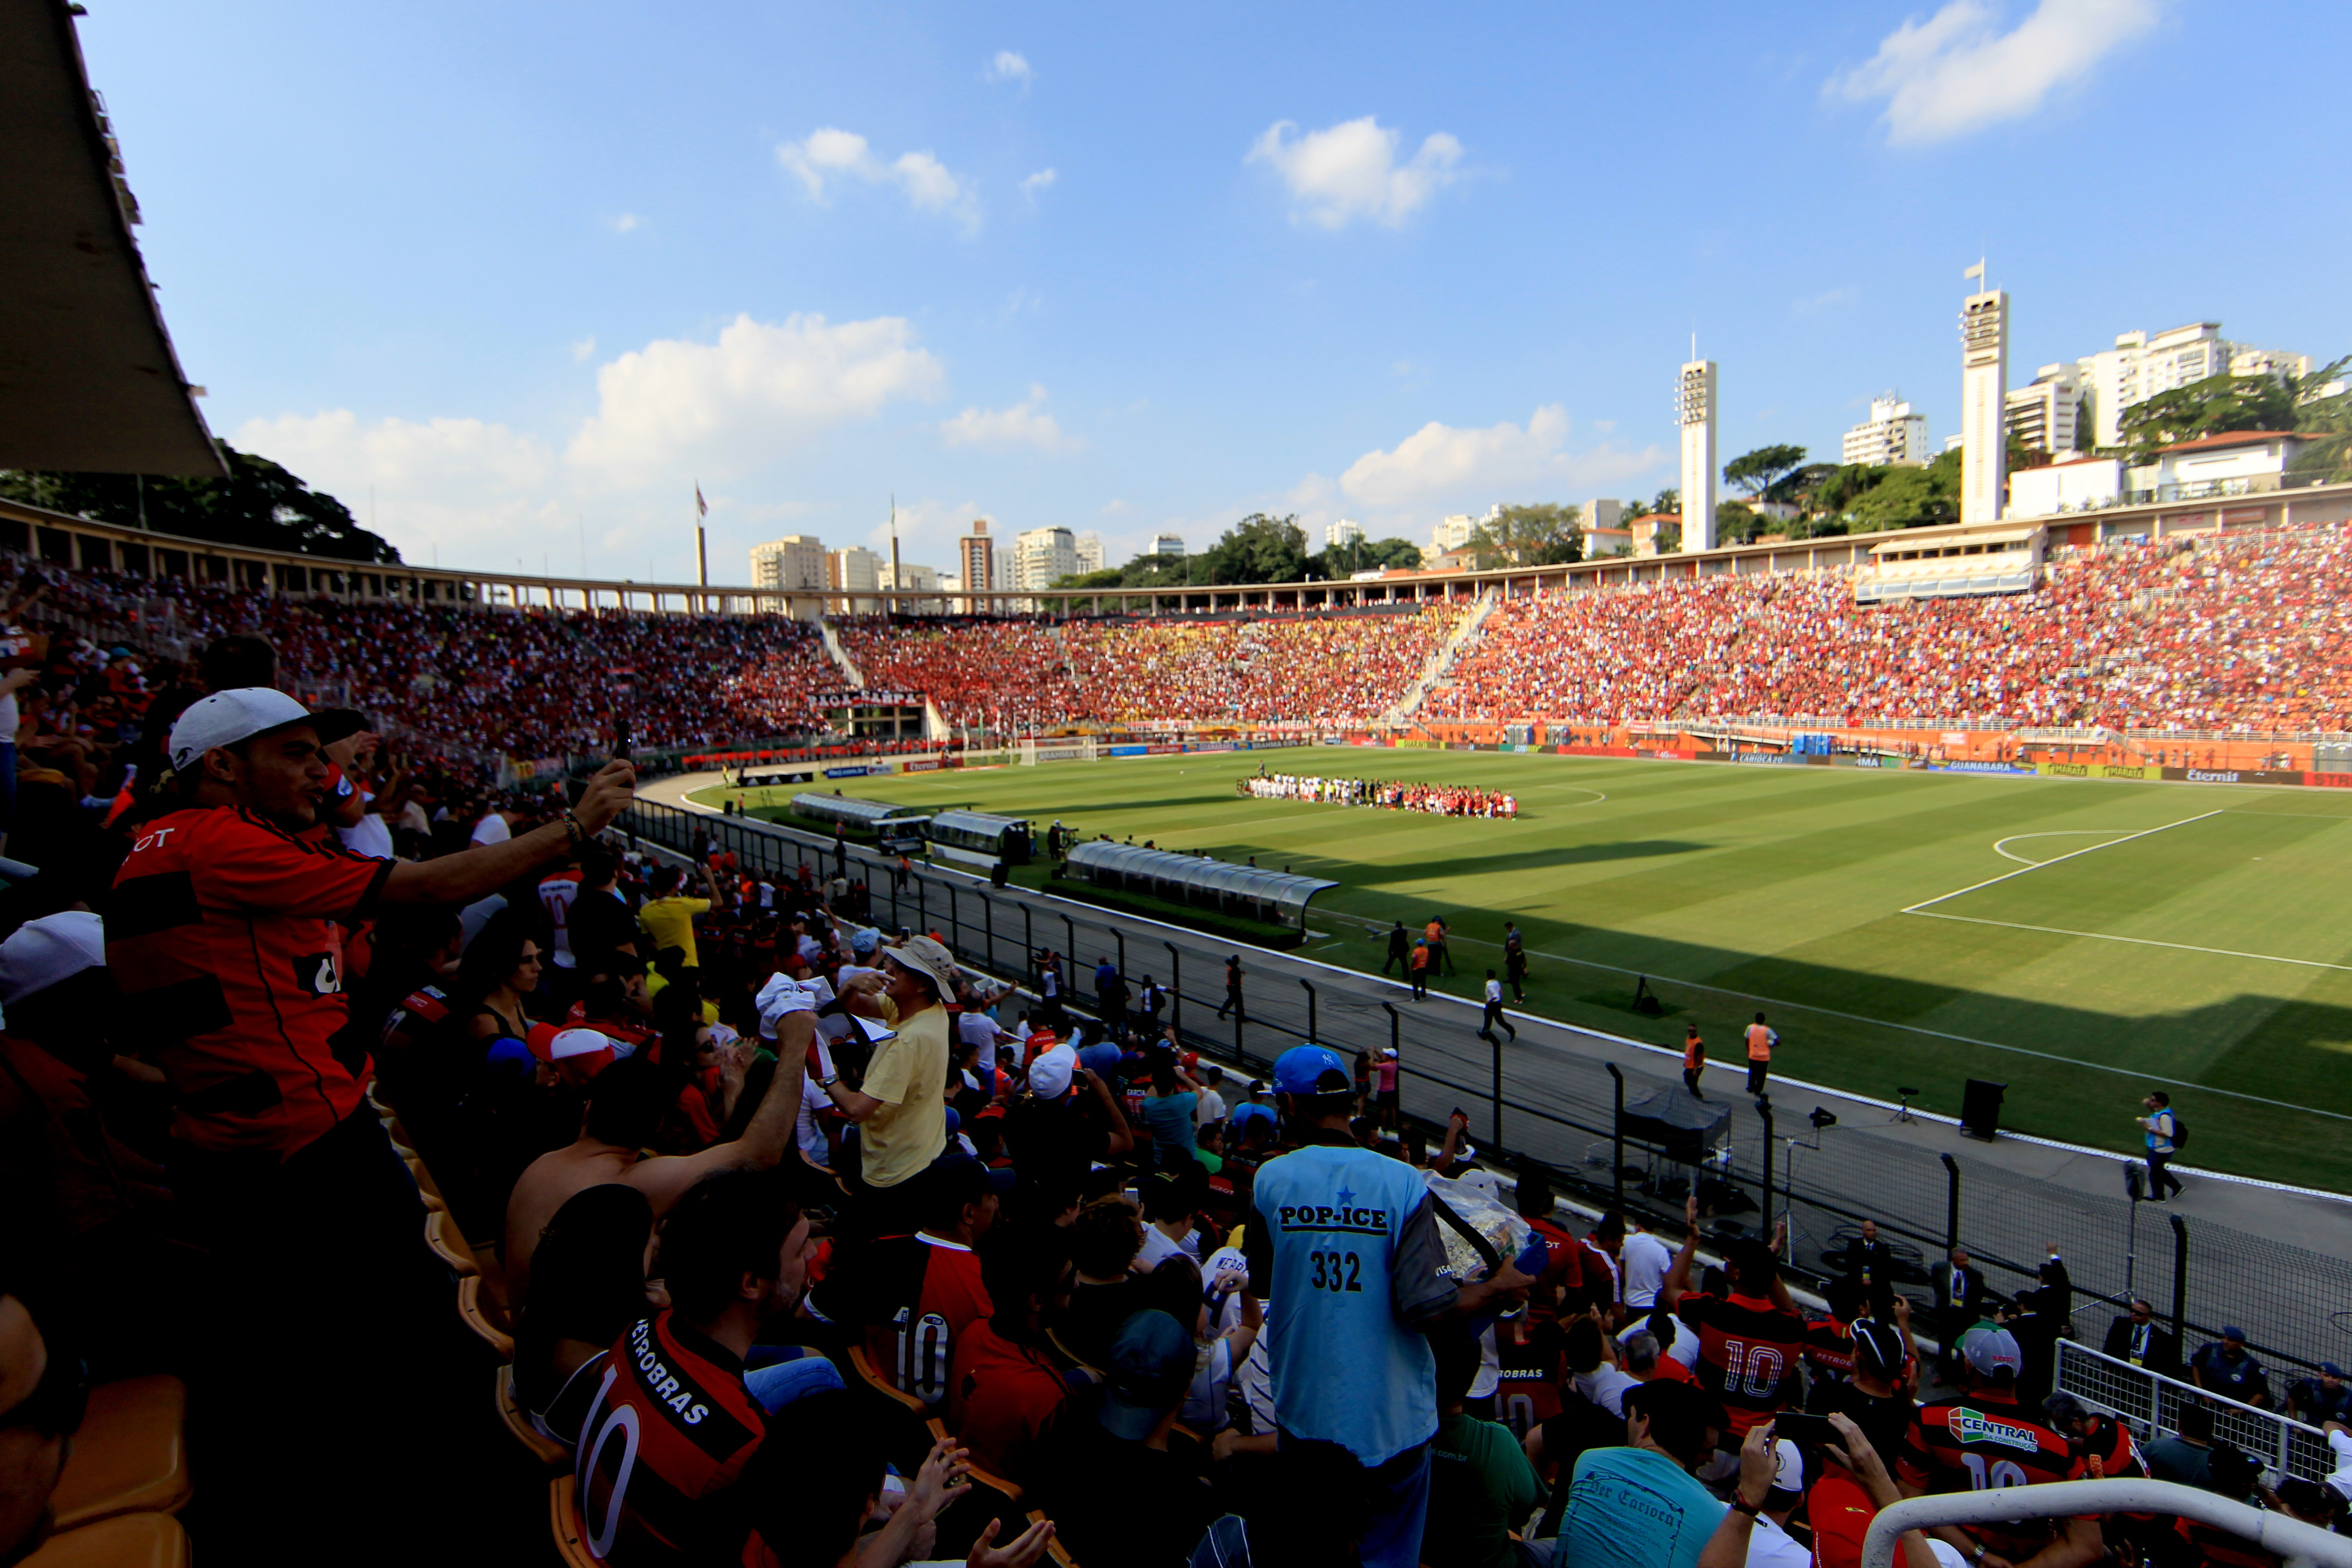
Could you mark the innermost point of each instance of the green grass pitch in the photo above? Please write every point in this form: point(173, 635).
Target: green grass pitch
point(1900, 928)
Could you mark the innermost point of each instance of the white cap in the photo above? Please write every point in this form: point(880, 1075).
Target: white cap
point(1049, 1075)
point(44, 951)
point(1787, 1467)
point(227, 717)
point(569, 1043)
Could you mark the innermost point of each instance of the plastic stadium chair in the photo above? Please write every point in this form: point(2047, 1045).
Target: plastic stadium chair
point(131, 1455)
point(482, 1318)
point(542, 1447)
point(1055, 1550)
point(425, 1187)
point(125, 1540)
point(908, 1432)
point(448, 1243)
point(563, 1519)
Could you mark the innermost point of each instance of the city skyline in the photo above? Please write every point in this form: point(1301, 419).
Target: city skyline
point(1016, 268)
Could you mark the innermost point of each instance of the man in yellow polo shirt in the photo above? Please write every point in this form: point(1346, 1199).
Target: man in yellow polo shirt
point(668, 917)
point(900, 1108)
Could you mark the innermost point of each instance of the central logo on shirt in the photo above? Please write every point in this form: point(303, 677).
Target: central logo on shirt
point(1345, 1216)
point(1976, 1427)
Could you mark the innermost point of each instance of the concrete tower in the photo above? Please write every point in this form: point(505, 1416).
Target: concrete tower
point(1695, 412)
point(1984, 389)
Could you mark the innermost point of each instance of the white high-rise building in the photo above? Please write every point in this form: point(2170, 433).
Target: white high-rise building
point(2047, 415)
point(1893, 433)
point(1695, 412)
point(1984, 385)
point(1007, 568)
point(1168, 544)
point(1044, 556)
point(853, 569)
point(908, 577)
point(788, 564)
point(1089, 549)
point(1345, 532)
point(2140, 365)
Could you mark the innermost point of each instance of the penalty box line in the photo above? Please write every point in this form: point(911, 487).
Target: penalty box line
point(2055, 860)
point(1927, 909)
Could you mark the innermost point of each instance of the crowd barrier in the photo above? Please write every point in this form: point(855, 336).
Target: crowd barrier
point(2201, 1274)
point(2150, 1404)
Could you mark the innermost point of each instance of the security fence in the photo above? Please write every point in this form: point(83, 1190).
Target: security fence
point(1563, 1111)
point(2151, 1403)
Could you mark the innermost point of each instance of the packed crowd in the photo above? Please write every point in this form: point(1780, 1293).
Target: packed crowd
point(1387, 794)
point(2244, 630)
point(1020, 674)
point(803, 1244)
point(526, 683)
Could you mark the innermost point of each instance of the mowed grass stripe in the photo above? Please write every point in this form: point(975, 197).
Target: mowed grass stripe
point(1784, 883)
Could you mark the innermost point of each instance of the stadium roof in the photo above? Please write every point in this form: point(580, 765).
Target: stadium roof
point(88, 379)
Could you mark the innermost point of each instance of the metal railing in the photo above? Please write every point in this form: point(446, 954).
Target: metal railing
point(1565, 1114)
point(2295, 1543)
point(2151, 1403)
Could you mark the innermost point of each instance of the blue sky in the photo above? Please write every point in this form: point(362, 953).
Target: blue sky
point(525, 274)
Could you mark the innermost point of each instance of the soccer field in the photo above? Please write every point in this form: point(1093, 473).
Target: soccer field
point(2080, 941)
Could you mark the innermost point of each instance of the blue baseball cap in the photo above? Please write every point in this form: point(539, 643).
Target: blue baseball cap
point(1311, 1069)
point(1150, 1367)
point(1102, 1059)
point(1247, 1113)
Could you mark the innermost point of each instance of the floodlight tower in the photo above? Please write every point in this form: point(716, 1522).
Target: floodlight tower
point(1695, 412)
point(1984, 388)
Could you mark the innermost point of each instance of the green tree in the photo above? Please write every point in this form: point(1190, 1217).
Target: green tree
point(1259, 549)
point(260, 506)
point(1871, 498)
point(1737, 522)
point(1800, 486)
point(1667, 499)
point(1543, 533)
point(1109, 577)
point(1755, 472)
point(2216, 405)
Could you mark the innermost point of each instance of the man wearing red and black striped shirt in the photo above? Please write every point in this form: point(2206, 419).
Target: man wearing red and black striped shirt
point(1751, 1340)
point(1983, 1440)
point(909, 1298)
point(222, 933)
point(674, 1466)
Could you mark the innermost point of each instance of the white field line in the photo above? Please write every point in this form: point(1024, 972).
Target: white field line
point(2139, 1073)
point(2136, 941)
point(2038, 865)
point(1999, 845)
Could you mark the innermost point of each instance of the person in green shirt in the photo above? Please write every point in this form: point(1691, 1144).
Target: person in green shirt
point(1481, 1486)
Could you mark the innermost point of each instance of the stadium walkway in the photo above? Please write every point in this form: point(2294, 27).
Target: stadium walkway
point(2271, 1259)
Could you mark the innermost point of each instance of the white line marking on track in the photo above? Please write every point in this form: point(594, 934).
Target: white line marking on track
point(1752, 996)
point(2056, 833)
point(2038, 865)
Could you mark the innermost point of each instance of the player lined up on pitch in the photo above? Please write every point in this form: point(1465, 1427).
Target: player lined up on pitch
point(1439, 800)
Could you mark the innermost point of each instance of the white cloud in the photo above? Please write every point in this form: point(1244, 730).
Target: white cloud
point(445, 481)
point(583, 351)
point(1350, 171)
point(1023, 425)
point(625, 223)
point(1030, 185)
point(829, 155)
point(1955, 72)
point(762, 386)
point(1440, 461)
point(1008, 67)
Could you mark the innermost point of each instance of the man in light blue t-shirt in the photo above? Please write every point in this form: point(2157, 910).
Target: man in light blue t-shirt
point(1639, 1507)
point(1345, 1245)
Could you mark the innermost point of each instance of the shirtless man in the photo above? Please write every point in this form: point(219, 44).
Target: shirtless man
point(625, 1104)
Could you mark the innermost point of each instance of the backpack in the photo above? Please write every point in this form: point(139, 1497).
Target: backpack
point(2179, 1134)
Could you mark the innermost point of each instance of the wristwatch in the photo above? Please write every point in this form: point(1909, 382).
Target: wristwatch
point(1978, 1554)
point(827, 1083)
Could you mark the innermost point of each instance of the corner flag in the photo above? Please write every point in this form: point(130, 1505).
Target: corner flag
point(701, 507)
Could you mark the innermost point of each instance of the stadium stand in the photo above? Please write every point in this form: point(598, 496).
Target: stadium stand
point(405, 1093)
point(2240, 631)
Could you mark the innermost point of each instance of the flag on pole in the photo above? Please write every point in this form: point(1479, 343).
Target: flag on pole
point(1976, 271)
point(702, 508)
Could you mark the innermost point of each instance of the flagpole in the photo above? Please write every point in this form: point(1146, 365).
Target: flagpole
point(897, 586)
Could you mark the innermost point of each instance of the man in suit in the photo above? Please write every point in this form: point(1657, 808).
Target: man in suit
point(2137, 1338)
point(1866, 1259)
point(1960, 1301)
